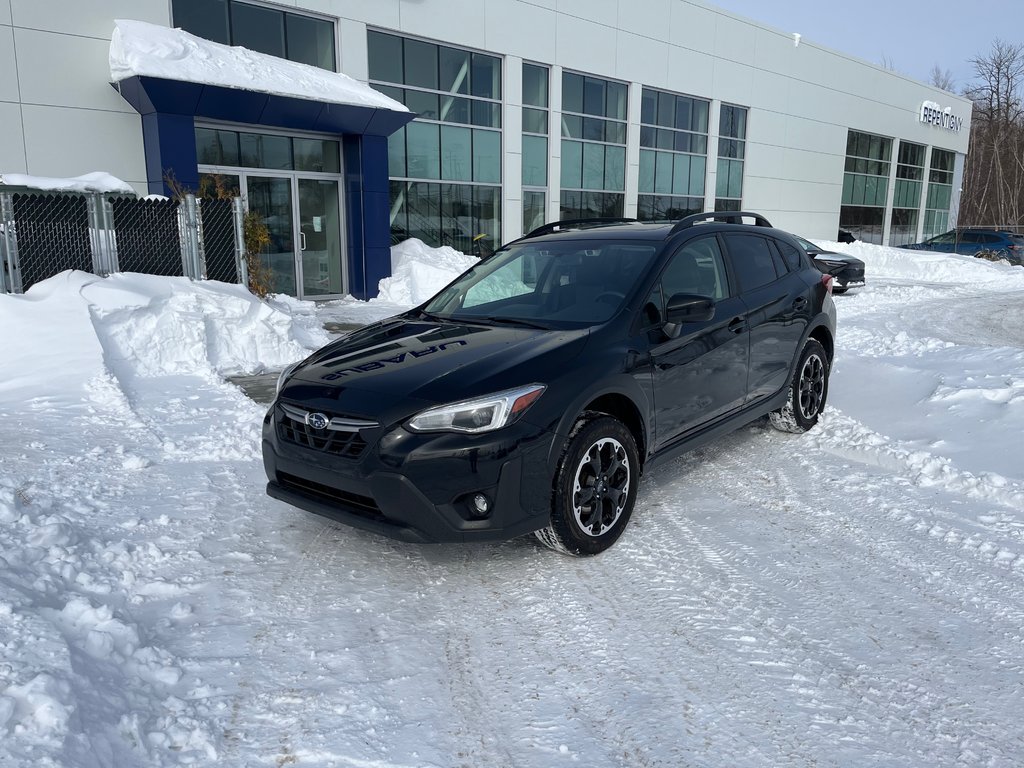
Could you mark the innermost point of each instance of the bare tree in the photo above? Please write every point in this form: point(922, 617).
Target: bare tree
point(994, 174)
point(942, 78)
point(888, 63)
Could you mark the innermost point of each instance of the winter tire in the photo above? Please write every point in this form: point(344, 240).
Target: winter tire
point(595, 487)
point(807, 391)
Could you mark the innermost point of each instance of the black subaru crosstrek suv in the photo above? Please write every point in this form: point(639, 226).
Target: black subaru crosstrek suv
point(531, 394)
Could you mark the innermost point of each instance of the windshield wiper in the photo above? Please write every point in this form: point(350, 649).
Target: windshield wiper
point(424, 315)
point(516, 321)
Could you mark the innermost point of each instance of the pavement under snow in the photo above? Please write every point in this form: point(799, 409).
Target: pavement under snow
point(853, 596)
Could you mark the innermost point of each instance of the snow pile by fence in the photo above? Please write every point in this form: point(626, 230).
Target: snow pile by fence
point(64, 330)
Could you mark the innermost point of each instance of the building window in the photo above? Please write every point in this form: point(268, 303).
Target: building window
point(907, 193)
point(865, 185)
point(593, 147)
point(940, 192)
point(673, 155)
point(535, 145)
point(265, 29)
point(242, 149)
point(455, 140)
point(732, 149)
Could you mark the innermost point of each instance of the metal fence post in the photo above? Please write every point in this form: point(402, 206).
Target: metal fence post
point(190, 258)
point(102, 237)
point(200, 239)
point(10, 271)
point(241, 262)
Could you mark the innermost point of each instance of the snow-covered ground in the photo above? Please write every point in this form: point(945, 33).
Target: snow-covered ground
point(849, 597)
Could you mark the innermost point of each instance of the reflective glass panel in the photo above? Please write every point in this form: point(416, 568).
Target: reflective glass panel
point(535, 85)
point(535, 161)
point(260, 150)
point(420, 64)
point(385, 57)
point(310, 41)
point(486, 156)
point(258, 28)
point(320, 155)
point(203, 18)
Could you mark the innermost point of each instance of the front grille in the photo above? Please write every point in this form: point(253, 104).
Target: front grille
point(364, 506)
point(344, 444)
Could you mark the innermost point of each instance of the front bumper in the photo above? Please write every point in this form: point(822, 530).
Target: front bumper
point(419, 487)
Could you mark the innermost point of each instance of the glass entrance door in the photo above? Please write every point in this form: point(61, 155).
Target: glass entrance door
point(303, 216)
point(319, 237)
point(271, 197)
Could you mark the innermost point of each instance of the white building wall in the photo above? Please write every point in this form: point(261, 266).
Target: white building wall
point(59, 116)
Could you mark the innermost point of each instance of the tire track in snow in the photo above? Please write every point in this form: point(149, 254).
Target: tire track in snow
point(848, 559)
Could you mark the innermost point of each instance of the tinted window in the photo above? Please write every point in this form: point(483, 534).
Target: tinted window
point(258, 29)
point(697, 268)
point(780, 266)
point(203, 18)
point(793, 258)
point(310, 41)
point(751, 259)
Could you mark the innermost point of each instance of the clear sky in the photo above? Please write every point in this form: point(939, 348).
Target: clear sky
point(911, 34)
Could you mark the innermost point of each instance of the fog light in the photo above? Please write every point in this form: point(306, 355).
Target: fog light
point(481, 504)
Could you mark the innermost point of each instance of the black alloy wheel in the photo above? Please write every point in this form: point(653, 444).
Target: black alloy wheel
point(595, 487)
point(808, 391)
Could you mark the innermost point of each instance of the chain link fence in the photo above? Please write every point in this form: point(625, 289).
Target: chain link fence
point(42, 235)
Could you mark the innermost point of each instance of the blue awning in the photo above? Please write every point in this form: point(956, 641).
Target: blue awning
point(151, 95)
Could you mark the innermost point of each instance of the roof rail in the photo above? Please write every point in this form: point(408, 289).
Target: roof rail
point(551, 226)
point(727, 216)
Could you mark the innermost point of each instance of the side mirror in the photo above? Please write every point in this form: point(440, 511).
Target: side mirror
point(687, 308)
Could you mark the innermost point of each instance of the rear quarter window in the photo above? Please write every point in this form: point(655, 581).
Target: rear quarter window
point(752, 261)
point(793, 257)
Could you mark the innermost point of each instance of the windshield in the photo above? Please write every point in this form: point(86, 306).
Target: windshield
point(561, 284)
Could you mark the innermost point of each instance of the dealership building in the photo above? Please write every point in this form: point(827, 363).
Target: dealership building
point(525, 111)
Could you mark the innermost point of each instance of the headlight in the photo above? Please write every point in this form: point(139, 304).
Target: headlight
point(481, 414)
point(283, 377)
point(832, 264)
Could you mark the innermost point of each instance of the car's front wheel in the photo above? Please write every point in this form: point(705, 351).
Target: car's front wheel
point(807, 391)
point(595, 487)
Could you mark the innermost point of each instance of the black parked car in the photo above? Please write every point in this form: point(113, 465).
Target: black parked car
point(848, 271)
point(532, 392)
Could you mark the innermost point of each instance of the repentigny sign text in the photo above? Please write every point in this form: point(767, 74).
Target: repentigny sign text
point(943, 118)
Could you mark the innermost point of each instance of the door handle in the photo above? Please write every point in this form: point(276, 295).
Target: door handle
point(302, 240)
point(737, 325)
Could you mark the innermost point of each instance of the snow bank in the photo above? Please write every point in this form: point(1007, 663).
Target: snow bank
point(89, 182)
point(419, 271)
point(138, 48)
point(924, 266)
point(68, 330)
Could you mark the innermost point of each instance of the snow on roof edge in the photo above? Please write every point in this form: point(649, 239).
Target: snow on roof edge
point(138, 48)
point(97, 181)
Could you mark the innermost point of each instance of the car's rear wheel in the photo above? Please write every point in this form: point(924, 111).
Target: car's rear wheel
point(807, 392)
point(595, 487)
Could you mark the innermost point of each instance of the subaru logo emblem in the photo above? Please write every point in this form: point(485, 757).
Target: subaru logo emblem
point(317, 420)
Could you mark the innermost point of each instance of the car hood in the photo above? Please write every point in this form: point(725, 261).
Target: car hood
point(428, 362)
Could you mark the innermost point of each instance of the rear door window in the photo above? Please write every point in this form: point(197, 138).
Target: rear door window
point(752, 260)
